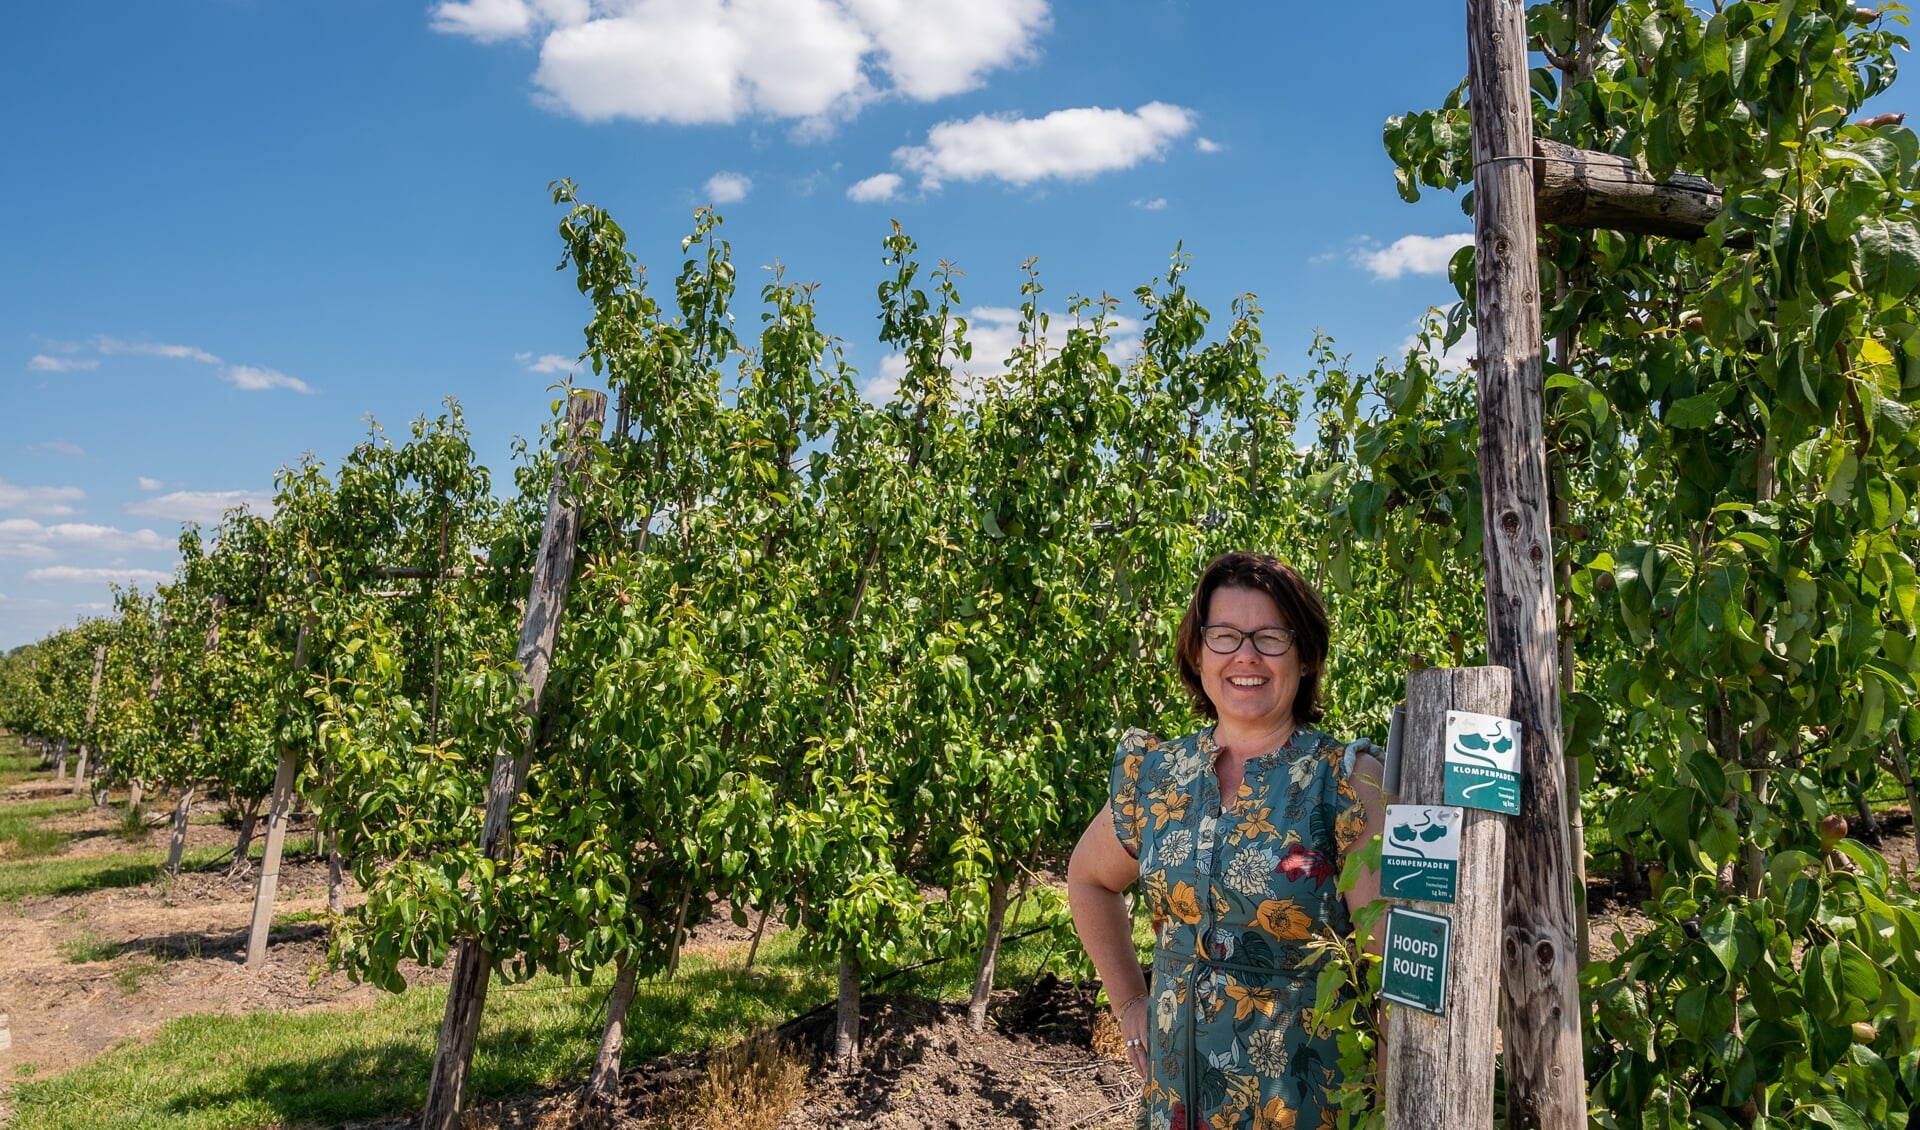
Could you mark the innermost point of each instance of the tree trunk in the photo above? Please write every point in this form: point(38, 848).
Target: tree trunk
point(177, 846)
point(603, 1086)
point(243, 842)
point(754, 948)
point(336, 876)
point(93, 707)
point(679, 930)
point(1869, 826)
point(1903, 770)
point(1545, 1071)
point(989, 954)
point(546, 601)
point(136, 791)
point(846, 1026)
point(60, 760)
point(80, 770)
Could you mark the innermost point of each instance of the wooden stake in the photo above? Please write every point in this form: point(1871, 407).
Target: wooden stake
point(1440, 1068)
point(93, 706)
point(1546, 1084)
point(269, 885)
point(546, 600)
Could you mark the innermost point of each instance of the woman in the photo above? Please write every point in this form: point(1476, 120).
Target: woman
point(1236, 887)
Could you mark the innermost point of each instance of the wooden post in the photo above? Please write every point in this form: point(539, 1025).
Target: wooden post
point(1440, 1068)
point(93, 707)
point(1546, 1084)
point(1579, 188)
point(269, 885)
point(547, 599)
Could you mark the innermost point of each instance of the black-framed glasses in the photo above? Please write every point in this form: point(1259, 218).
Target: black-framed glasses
point(1223, 639)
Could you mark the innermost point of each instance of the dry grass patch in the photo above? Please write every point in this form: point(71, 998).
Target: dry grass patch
point(749, 1086)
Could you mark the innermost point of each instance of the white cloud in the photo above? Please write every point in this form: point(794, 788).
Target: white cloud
point(48, 502)
point(61, 447)
point(728, 188)
point(714, 61)
point(114, 575)
point(252, 379)
point(1413, 254)
point(1207, 145)
point(110, 346)
point(24, 537)
point(1457, 359)
point(548, 363)
point(492, 20)
point(1066, 143)
point(1157, 204)
point(150, 484)
point(994, 333)
point(875, 189)
point(43, 363)
point(202, 506)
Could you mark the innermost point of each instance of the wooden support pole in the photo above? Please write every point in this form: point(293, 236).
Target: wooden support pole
point(87, 741)
point(282, 806)
point(546, 600)
point(1546, 1083)
point(1580, 188)
point(1440, 1068)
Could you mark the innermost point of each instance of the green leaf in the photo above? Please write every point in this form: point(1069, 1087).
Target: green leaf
point(1693, 411)
point(1886, 257)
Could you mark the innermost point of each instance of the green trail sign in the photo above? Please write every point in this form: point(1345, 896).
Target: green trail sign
point(1483, 762)
point(1420, 853)
point(1416, 959)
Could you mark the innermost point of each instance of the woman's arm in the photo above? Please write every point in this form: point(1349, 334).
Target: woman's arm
point(1096, 875)
point(1367, 773)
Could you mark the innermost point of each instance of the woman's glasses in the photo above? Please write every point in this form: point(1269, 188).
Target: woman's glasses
point(1224, 640)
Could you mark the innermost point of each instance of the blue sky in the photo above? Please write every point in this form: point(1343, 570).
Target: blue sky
point(236, 229)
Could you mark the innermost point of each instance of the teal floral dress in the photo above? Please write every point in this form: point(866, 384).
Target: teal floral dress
point(1236, 892)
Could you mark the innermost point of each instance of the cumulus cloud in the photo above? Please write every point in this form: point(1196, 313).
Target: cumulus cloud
point(1413, 254)
point(202, 506)
point(1070, 144)
point(548, 363)
point(1457, 359)
point(994, 333)
point(252, 379)
point(1207, 145)
point(47, 502)
point(150, 484)
point(46, 363)
point(111, 346)
point(728, 188)
point(708, 61)
point(875, 189)
point(26, 538)
point(110, 575)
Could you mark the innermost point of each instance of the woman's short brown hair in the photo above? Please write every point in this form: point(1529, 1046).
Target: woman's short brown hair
point(1298, 604)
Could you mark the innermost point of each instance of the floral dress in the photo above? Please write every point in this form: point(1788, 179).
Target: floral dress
point(1235, 893)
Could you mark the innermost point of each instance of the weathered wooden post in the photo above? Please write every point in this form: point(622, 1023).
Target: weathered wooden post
point(93, 707)
point(546, 600)
point(1439, 1070)
point(282, 807)
point(1546, 1084)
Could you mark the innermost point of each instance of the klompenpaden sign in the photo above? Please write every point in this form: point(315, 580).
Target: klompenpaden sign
point(1420, 854)
point(1483, 762)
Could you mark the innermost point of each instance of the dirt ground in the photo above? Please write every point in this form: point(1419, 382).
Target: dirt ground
point(177, 946)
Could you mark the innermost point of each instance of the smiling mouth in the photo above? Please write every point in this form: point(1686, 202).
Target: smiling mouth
point(1247, 681)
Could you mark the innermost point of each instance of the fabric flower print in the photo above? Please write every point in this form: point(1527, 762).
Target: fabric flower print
point(1175, 848)
point(1267, 1049)
point(1251, 870)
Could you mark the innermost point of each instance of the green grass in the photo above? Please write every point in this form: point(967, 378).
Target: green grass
point(89, 947)
point(69, 875)
point(21, 832)
point(17, 763)
point(327, 1067)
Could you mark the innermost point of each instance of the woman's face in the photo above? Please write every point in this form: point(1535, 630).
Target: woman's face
point(1248, 689)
